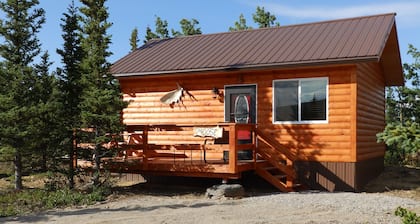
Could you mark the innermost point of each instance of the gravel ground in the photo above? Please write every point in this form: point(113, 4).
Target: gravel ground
point(306, 207)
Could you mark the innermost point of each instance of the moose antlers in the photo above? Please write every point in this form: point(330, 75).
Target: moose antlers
point(175, 96)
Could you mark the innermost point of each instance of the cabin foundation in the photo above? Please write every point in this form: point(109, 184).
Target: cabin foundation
point(339, 176)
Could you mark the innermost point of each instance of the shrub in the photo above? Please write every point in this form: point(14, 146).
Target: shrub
point(408, 217)
point(403, 142)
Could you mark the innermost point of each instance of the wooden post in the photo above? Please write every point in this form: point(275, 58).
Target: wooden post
point(254, 143)
point(233, 142)
point(145, 135)
point(289, 180)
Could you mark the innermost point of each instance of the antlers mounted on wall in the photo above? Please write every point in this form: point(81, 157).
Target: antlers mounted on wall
point(175, 96)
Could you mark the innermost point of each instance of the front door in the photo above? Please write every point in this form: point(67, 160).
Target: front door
point(240, 106)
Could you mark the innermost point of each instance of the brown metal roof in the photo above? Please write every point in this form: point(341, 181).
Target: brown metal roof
point(336, 41)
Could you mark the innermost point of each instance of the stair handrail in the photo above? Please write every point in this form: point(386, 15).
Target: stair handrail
point(274, 144)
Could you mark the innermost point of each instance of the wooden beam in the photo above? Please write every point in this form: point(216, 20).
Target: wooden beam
point(233, 133)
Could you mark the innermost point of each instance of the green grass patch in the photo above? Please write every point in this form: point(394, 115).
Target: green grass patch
point(29, 201)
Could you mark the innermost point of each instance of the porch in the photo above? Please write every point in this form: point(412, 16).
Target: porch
point(217, 151)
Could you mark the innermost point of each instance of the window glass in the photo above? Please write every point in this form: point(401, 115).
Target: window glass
point(286, 100)
point(300, 100)
point(313, 99)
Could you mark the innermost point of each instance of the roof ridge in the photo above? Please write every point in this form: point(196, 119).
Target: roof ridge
point(275, 27)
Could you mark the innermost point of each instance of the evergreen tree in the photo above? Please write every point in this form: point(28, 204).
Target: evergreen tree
point(19, 102)
point(134, 39)
point(240, 24)
point(161, 28)
point(402, 132)
point(403, 102)
point(150, 35)
point(45, 140)
point(101, 101)
point(263, 18)
point(70, 83)
point(188, 27)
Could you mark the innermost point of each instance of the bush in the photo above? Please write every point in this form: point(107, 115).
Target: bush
point(408, 217)
point(403, 143)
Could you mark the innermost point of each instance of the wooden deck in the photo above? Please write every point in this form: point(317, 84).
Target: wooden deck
point(178, 167)
point(216, 151)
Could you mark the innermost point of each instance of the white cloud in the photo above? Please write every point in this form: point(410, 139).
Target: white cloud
point(407, 12)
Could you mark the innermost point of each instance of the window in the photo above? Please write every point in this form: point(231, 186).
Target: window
point(300, 100)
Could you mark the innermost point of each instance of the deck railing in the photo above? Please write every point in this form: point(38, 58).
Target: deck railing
point(222, 150)
point(179, 144)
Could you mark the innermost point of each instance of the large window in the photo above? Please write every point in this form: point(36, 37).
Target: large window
point(300, 100)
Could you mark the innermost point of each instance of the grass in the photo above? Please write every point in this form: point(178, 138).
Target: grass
point(38, 195)
point(35, 200)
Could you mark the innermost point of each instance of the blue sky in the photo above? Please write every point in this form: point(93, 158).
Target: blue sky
point(217, 15)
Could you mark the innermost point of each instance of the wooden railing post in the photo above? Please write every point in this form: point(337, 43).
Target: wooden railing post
point(289, 180)
point(233, 142)
point(145, 135)
point(254, 143)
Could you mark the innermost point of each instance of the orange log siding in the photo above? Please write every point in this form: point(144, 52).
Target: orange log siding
point(313, 142)
point(334, 141)
point(370, 110)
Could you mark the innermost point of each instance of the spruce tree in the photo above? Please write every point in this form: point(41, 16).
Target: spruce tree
point(402, 131)
point(70, 84)
point(189, 27)
point(240, 24)
point(45, 140)
point(101, 101)
point(150, 35)
point(19, 102)
point(263, 18)
point(134, 39)
point(161, 28)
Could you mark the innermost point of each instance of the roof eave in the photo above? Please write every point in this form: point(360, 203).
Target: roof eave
point(251, 67)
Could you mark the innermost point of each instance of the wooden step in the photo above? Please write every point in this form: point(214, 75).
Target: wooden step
point(289, 170)
point(270, 168)
point(274, 180)
point(280, 176)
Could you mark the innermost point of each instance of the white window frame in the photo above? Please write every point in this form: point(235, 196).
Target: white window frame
point(300, 103)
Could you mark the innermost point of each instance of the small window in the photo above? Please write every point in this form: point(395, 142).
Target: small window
point(300, 100)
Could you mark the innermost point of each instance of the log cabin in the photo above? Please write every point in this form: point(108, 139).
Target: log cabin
point(297, 104)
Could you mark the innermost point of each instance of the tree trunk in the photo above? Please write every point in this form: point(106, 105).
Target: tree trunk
point(70, 175)
point(97, 160)
point(96, 166)
point(44, 159)
point(18, 170)
point(73, 159)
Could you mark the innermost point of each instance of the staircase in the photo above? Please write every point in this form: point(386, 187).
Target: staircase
point(278, 166)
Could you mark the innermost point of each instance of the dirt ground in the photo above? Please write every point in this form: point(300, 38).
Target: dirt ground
point(397, 181)
point(135, 202)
